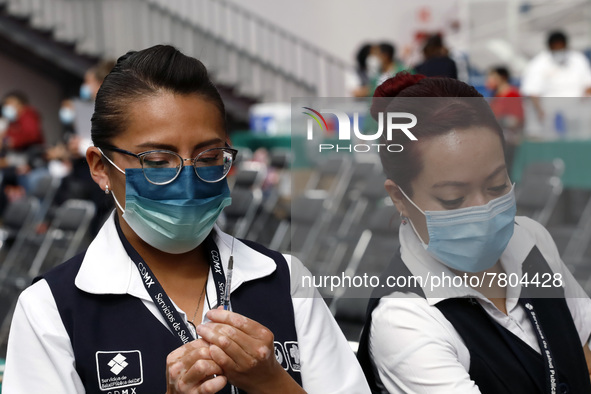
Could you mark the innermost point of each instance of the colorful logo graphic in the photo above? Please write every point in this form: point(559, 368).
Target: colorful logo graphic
point(318, 115)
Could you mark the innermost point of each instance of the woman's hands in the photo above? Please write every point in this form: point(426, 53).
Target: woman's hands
point(233, 348)
point(245, 351)
point(190, 370)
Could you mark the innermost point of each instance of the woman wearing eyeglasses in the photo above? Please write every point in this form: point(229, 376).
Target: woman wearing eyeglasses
point(483, 302)
point(144, 309)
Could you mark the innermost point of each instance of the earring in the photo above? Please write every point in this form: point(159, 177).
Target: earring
point(107, 189)
point(403, 219)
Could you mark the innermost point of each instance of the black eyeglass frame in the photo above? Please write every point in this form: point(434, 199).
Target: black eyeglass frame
point(140, 156)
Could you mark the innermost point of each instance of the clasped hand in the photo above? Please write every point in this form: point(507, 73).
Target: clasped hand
point(231, 348)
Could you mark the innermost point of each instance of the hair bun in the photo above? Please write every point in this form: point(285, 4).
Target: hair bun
point(393, 86)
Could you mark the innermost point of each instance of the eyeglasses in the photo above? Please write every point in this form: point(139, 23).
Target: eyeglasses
point(211, 165)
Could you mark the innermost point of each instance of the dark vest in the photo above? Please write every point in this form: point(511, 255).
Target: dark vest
point(500, 362)
point(120, 347)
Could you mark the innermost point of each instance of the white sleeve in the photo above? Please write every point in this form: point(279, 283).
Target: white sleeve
point(580, 306)
point(415, 351)
point(585, 74)
point(532, 82)
point(39, 358)
point(328, 365)
point(352, 82)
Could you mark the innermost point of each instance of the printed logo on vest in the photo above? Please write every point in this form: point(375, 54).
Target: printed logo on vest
point(293, 355)
point(119, 369)
point(281, 356)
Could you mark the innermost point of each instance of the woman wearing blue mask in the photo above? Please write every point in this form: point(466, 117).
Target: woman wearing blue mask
point(138, 311)
point(483, 302)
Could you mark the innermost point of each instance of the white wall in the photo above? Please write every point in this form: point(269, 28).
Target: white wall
point(44, 94)
point(340, 27)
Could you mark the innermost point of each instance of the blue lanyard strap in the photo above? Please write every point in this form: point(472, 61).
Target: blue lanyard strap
point(165, 306)
point(551, 373)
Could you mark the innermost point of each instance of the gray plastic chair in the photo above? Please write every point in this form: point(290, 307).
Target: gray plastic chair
point(65, 235)
point(539, 190)
point(17, 225)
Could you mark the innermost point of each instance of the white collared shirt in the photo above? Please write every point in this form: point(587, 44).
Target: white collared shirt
point(40, 357)
point(417, 350)
point(544, 77)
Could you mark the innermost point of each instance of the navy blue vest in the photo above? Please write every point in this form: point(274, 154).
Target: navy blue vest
point(500, 362)
point(120, 347)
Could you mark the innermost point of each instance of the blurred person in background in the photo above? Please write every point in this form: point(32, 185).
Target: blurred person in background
point(556, 72)
point(21, 147)
point(93, 78)
point(357, 83)
point(70, 155)
point(507, 106)
point(382, 64)
point(437, 62)
point(58, 156)
point(24, 123)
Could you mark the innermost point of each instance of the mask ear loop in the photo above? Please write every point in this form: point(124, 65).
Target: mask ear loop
point(117, 202)
point(408, 219)
point(112, 192)
point(110, 161)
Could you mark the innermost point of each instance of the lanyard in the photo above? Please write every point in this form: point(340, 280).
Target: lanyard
point(161, 300)
point(551, 374)
point(217, 271)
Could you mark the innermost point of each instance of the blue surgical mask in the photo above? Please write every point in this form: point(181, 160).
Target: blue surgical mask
point(177, 217)
point(470, 239)
point(85, 93)
point(373, 64)
point(67, 115)
point(9, 112)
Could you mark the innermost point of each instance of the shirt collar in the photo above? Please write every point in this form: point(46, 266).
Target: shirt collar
point(107, 269)
point(422, 264)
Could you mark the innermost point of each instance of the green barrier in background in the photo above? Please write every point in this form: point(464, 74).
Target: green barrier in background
point(576, 155)
point(300, 147)
point(1, 372)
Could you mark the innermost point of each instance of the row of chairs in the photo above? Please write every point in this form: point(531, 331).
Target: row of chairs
point(255, 198)
point(26, 252)
point(27, 248)
point(539, 195)
point(339, 198)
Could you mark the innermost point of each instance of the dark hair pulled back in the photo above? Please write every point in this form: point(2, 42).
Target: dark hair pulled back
point(459, 108)
point(143, 74)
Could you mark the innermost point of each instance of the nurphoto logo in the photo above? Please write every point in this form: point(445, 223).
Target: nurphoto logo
point(390, 122)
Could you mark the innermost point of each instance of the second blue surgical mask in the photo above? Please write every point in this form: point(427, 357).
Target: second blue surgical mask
point(85, 93)
point(9, 112)
point(470, 239)
point(67, 115)
point(176, 217)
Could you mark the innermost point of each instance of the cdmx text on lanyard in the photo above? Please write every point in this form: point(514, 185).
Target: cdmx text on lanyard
point(173, 319)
